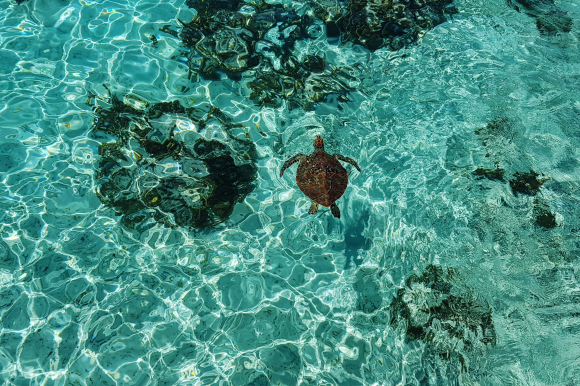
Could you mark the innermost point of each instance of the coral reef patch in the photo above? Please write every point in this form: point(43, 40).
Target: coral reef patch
point(231, 38)
point(527, 183)
point(159, 169)
point(392, 24)
point(449, 318)
point(550, 20)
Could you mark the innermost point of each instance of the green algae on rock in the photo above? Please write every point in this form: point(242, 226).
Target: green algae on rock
point(152, 175)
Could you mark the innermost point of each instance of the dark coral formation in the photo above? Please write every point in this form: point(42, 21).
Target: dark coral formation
point(527, 183)
point(432, 309)
point(392, 23)
point(230, 30)
point(300, 89)
point(544, 217)
point(490, 174)
point(521, 183)
point(549, 19)
point(497, 136)
point(231, 37)
point(497, 127)
point(151, 175)
point(503, 129)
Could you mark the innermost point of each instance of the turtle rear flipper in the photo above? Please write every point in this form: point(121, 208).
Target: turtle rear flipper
point(290, 162)
point(334, 210)
point(313, 208)
point(347, 159)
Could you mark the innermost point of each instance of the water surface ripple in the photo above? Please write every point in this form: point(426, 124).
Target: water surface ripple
point(455, 260)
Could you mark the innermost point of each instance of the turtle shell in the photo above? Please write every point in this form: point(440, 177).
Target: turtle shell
point(322, 178)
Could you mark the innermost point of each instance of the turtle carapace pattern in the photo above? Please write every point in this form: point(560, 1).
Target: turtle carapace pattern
point(321, 177)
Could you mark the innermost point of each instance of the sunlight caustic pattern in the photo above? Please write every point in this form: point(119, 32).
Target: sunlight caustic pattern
point(147, 238)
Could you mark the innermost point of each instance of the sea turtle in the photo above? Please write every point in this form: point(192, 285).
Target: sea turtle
point(321, 177)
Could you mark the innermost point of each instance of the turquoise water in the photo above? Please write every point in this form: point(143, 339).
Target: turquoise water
point(455, 260)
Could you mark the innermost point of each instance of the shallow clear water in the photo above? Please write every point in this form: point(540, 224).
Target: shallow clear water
point(438, 272)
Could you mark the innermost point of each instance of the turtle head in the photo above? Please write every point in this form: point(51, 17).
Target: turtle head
point(318, 143)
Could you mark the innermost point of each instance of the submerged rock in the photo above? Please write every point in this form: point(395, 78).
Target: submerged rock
point(449, 318)
point(224, 38)
point(490, 174)
point(497, 127)
point(527, 183)
point(150, 175)
point(229, 38)
point(550, 20)
point(272, 88)
point(260, 38)
point(391, 24)
point(227, 50)
point(543, 216)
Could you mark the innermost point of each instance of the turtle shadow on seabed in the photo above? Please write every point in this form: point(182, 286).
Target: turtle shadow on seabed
point(356, 241)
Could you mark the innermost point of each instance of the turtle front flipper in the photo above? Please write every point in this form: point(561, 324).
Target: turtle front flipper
point(334, 210)
point(313, 208)
point(346, 159)
point(290, 162)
